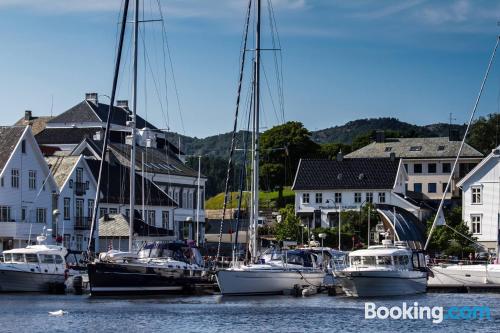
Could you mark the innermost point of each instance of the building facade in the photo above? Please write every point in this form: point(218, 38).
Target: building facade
point(323, 188)
point(28, 192)
point(428, 163)
point(481, 201)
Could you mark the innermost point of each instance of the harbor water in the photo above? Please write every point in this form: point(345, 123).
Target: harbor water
point(319, 313)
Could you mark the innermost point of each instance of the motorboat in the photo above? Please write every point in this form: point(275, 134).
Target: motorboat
point(157, 268)
point(35, 268)
point(384, 270)
point(278, 275)
point(464, 275)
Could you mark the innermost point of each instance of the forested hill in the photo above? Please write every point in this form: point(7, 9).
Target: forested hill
point(218, 145)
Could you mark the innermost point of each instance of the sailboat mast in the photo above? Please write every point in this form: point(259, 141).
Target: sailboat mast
point(255, 138)
point(133, 129)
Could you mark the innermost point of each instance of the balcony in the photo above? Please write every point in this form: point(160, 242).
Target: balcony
point(80, 188)
point(82, 222)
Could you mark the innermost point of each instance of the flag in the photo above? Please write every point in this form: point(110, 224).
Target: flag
point(440, 218)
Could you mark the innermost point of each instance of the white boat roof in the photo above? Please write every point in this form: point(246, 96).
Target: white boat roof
point(39, 249)
point(380, 250)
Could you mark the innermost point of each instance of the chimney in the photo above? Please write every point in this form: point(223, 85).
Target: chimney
point(91, 97)
point(379, 136)
point(123, 103)
point(392, 156)
point(454, 135)
point(27, 115)
point(340, 157)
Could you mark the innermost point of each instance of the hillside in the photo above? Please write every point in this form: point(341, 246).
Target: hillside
point(218, 145)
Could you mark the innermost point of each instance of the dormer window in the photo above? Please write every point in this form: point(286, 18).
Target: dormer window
point(415, 148)
point(388, 149)
point(441, 148)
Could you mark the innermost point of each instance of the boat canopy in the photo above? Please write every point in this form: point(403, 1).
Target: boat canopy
point(408, 227)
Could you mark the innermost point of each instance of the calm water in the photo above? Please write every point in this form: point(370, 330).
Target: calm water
point(319, 313)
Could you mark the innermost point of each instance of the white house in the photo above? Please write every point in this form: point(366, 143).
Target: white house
point(481, 200)
point(428, 162)
point(77, 191)
point(28, 192)
point(323, 188)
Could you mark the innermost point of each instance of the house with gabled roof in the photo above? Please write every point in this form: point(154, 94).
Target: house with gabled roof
point(77, 193)
point(428, 162)
point(481, 201)
point(28, 192)
point(324, 188)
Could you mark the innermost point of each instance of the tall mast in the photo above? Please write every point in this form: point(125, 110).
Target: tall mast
point(133, 128)
point(255, 140)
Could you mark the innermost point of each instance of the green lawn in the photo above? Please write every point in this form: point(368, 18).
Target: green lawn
point(266, 199)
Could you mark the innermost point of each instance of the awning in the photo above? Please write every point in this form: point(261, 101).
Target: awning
point(408, 227)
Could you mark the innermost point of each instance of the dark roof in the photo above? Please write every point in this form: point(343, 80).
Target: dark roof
point(9, 137)
point(353, 173)
point(67, 135)
point(117, 225)
point(116, 189)
point(155, 160)
point(89, 112)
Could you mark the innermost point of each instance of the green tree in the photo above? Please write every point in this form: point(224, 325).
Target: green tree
point(289, 226)
point(445, 240)
point(485, 133)
point(281, 149)
point(330, 150)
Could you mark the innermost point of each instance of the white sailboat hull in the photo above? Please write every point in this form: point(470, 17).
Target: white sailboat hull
point(382, 283)
point(266, 282)
point(465, 276)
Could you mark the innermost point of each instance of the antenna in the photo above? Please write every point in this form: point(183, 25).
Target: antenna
point(451, 121)
point(51, 104)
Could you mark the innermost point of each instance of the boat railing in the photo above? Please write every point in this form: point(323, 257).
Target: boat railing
point(459, 262)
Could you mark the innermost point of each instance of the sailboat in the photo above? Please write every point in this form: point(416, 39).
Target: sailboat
point(464, 275)
point(157, 267)
point(283, 272)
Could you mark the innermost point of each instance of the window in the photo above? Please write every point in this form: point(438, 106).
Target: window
point(66, 240)
point(5, 214)
point(31, 258)
point(417, 168)
point(388, 149)
point(357, 197)
point(190, 200)
point(1, 181)
point(66, 209)
point(446, 167)
point(79, 241)
point(32, 179)
point(113, 211)
point(431, 168)
point(406, 167)
point(444, 187)
point(90, 207)
point(165, 220)
point(305, 197)
point(369, 197)
point(417, 187)
point(441, 148)
point(79, 207)
point(23, 214)
point(431, 188)
point(23, 146)
point(338, 197)
point(47, 258)
point(59, 259)
point(79, 175)
point(476, 195)
point(184, 199)
point(151, 217)
point(476, 224)
point(381, 197)
point(415, 148)
point(14, 179)
point(319, 198)
point(104, 211)
point(202, 199)
point(41, 215)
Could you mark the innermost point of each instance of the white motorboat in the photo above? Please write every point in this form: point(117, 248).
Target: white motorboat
point(384, 270)
point(33, 268)
point(279, 275)
point(462, 275)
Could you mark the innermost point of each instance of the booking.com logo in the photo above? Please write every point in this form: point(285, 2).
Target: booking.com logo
point(436, 313)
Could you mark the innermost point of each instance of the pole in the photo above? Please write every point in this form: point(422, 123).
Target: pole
point(133, 123)
point(369, 210)
point(198, 203)
point(143, 201)
point(90, 247)
point(340, 224)
point(394, 222)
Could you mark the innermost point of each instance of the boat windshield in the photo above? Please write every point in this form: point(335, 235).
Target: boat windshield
point(384, 261)
point(31, 258)
point(46, 258)
point(17, 258)
point(379, 260)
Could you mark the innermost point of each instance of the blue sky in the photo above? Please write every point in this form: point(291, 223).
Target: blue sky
point(342, 60)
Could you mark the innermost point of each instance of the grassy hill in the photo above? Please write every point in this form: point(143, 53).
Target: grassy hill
point(266, 199)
